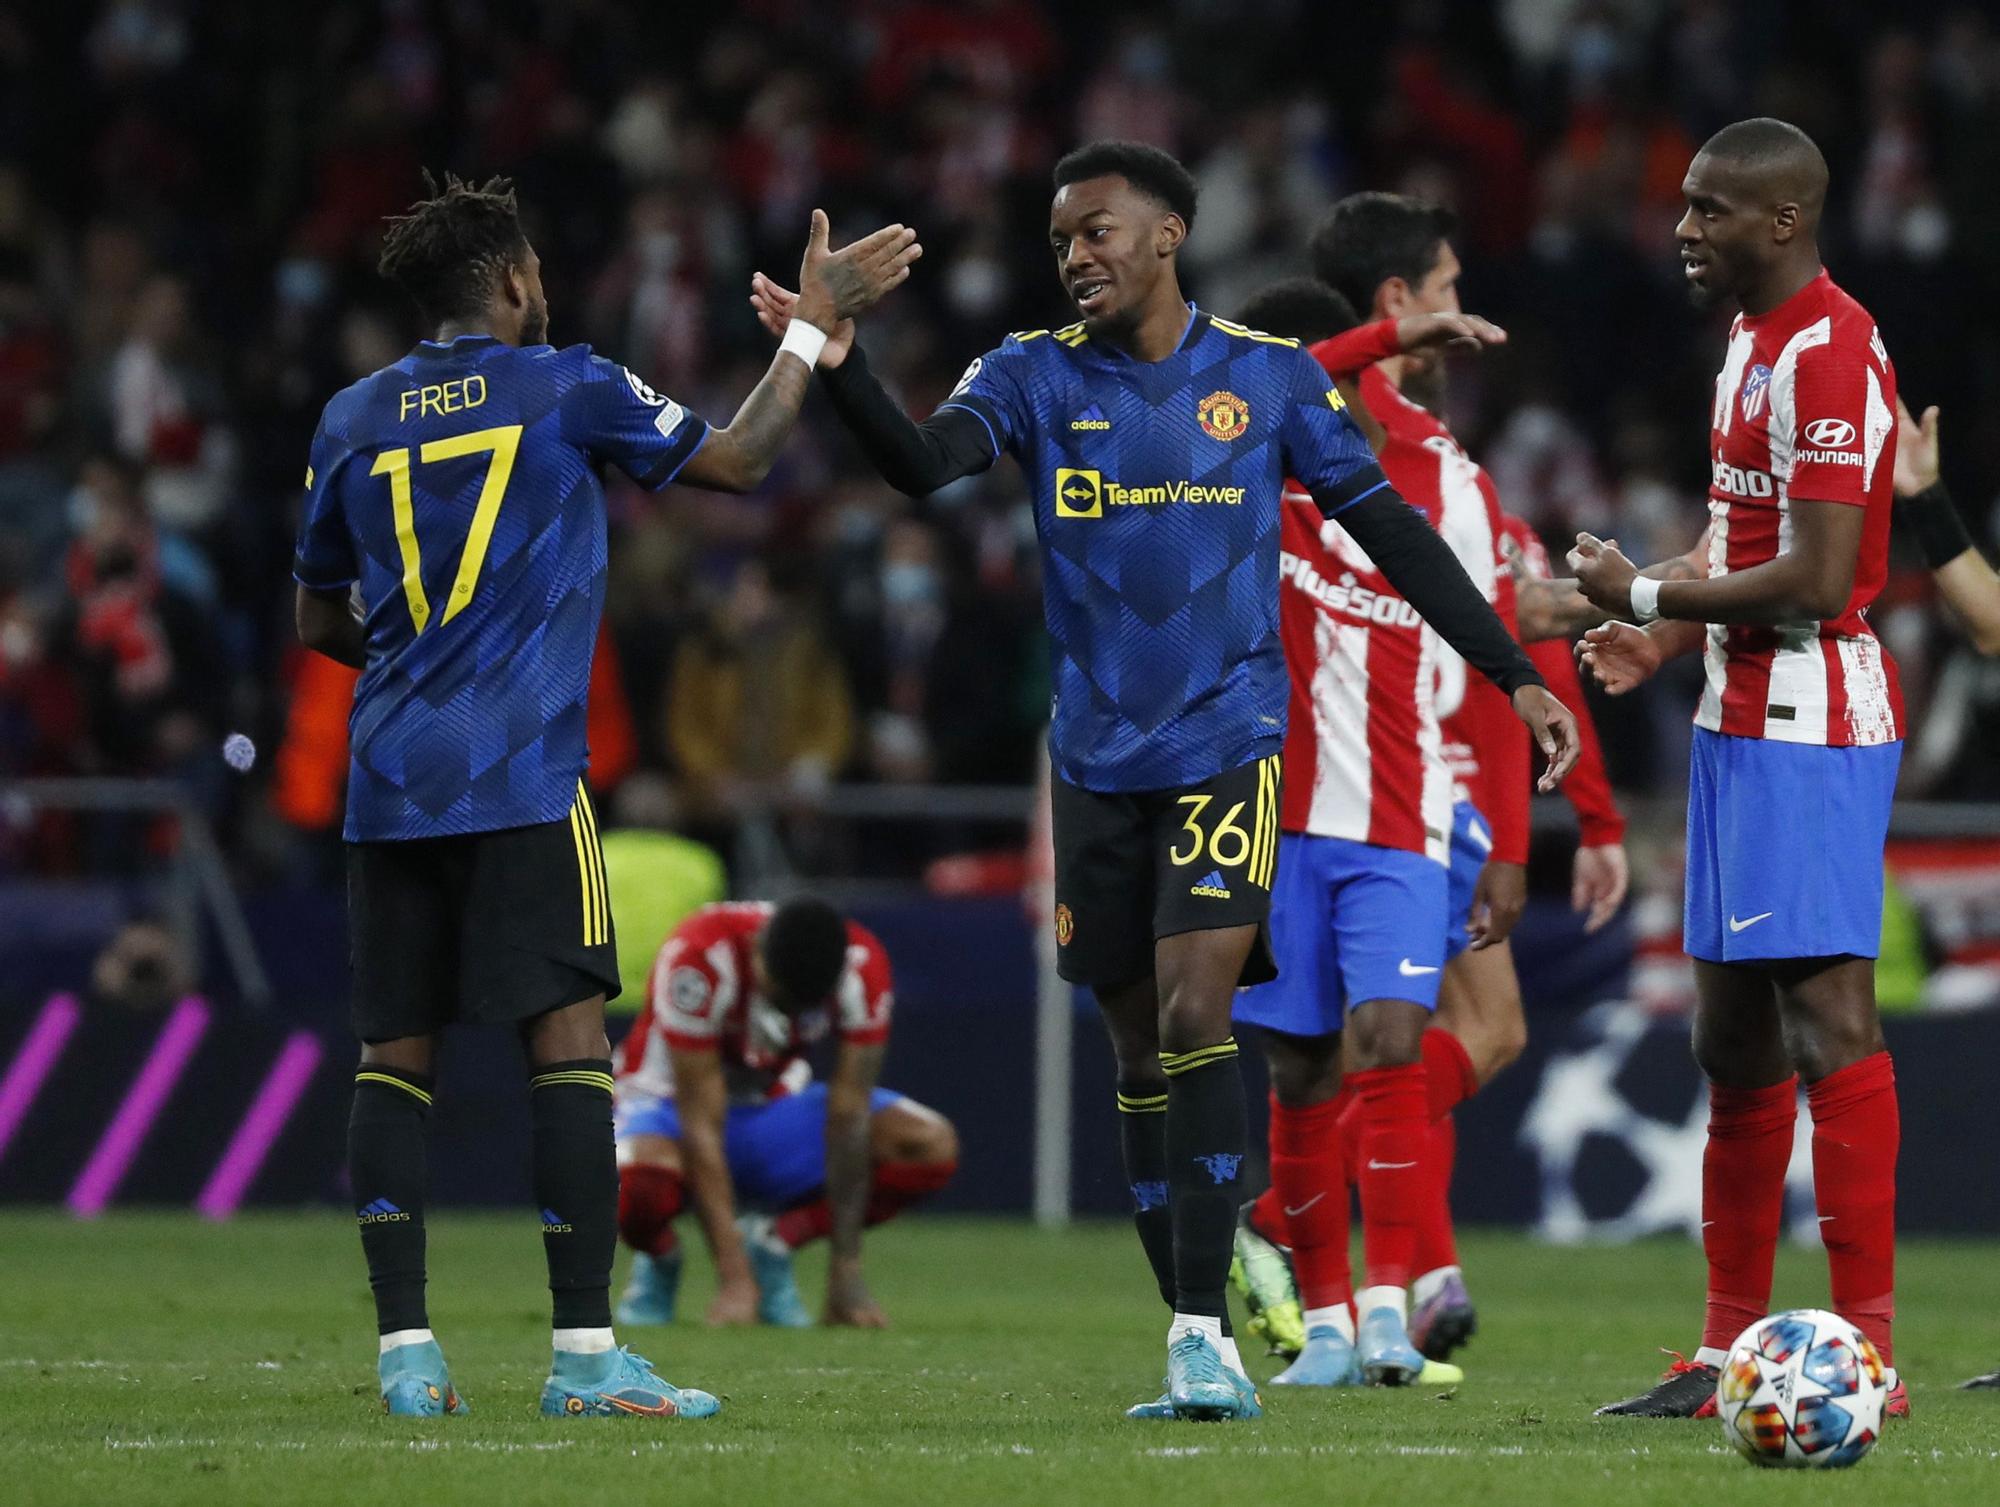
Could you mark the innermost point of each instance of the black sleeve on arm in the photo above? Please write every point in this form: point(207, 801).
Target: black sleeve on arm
point(915, 459)
point(1420, 565)
point(1933, 518)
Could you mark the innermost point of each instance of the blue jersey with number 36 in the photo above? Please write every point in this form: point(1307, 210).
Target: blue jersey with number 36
point(460, 488)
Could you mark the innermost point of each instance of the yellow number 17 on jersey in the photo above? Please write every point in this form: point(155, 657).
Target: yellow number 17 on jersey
point(501, 443)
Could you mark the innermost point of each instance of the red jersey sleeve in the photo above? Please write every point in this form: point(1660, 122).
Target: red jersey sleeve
point(1351, 351)
point(867, 994)
point(1841, 423)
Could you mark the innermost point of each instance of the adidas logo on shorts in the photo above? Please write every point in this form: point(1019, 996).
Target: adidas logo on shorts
point(1211, 887)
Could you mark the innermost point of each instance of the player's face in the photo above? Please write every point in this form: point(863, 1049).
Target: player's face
point(1111, 243)
point(1725, 234)
point(1436, 292)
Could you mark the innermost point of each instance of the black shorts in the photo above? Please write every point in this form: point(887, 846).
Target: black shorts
point(491, 926)
point(1132, 868)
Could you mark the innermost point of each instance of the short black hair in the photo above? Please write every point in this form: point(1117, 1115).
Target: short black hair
point(1303, 308)
point(1366, 239)
point(1156, 174)
point(804, 947)
point(451, 248)
point(1786, 159)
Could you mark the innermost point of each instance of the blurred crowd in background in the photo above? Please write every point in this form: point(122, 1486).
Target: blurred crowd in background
point(192, 192)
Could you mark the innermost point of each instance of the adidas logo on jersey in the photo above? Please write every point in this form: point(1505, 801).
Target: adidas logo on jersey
point(1091, 418)
point(1211, 887)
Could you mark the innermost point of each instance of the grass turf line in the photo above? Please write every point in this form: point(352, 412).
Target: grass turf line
point(158, 1359)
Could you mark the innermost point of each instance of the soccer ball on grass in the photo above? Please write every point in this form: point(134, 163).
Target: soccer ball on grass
point(1803, 1387)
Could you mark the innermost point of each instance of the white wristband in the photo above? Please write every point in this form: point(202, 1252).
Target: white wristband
point(804, 340)
point(1645, 599)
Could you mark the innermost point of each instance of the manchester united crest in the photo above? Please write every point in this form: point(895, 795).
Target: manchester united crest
point(1065, 925)
point(1223, 415)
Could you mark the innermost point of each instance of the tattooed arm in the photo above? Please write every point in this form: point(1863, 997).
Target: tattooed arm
point(1558, 608)
point(833, 287)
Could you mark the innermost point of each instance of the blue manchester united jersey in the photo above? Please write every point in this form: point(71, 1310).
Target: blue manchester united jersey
point(460, 488)
point(1156, 488)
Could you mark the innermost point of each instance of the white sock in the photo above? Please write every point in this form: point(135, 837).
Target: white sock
point(398, 1337)
point(1426, 1286)
point(585, 1341)
point(1371, 1298)
point(1232, 1357)
point(1200, 1323)
point(1335, 1316)
point(1708, 1355)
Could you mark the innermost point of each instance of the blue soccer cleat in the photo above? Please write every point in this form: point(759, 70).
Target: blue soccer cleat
point(653, 1291)
point(1142, 1411)
point(415, 1383)
point(1327, 1360)
point(1201, 1388)
point(1388, 1359)
point(778, 1300)
point(617, 1383)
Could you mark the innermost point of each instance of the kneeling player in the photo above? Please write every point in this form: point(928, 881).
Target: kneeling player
point(716, 1103)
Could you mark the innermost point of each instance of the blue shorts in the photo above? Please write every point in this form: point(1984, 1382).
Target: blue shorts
point(1350, 922)
point(1471, 846)
point(776, 1151)
point(1784, 848)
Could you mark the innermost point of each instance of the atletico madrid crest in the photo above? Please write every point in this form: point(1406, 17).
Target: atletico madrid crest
point(1223, 415)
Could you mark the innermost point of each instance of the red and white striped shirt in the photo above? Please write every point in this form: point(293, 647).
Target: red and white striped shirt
point(1805, 408)
point(702, 996)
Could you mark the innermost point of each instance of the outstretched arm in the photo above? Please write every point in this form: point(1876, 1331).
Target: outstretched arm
point(914, 458)
point(1968, 583)
point(834, 287)
point(1557, 608)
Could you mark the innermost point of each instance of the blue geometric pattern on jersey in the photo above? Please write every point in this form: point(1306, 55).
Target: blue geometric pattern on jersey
point(1163, 609)
point(477, 723)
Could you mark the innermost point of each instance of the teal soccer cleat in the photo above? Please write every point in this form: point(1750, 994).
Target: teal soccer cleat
point(653, 1291)
point(1388, 1359)
point(1204, 1390)
point(1142, 1411)
point(1328, 1360)
point(415, 1383)
point(615, 1383)
point(778, 1300)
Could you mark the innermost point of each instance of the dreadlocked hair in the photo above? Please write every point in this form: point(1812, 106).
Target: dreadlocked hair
point(448, 251)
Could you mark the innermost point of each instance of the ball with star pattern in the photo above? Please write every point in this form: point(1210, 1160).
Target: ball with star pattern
point(1802, 1388)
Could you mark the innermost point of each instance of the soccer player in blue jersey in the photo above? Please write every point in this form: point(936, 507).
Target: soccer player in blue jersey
point(1156, 440)
point(453, 550)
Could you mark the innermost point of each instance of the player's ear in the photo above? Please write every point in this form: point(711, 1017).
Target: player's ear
point(1167, 240)
point(1392, 297)
point(1785, 223)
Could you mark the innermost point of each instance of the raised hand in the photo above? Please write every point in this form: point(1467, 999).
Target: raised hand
point(837, 285)
point(1554, 727)
point(1454, 332)
point(1621, 656)
point(774, 304)
point(1916, 451)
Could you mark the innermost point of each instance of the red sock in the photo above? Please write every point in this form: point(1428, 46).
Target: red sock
point(1395, 1131)
point(1743, 1201)
point(1448, 1073)
point(1309, 1189)
point(648, 1200)
point(894, 1186)
point(1437, 1241)
point(1267, 1214)
point(1856, 1131)
point(1450, 1080)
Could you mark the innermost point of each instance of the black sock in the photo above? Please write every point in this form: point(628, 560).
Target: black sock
point(1142, 1135)
point(385, 1163)
point(576, 1184)
point(1207, 1133)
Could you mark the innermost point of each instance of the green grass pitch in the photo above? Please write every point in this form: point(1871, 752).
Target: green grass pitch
point(156, 1359)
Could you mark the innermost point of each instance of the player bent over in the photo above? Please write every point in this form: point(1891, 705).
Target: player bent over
point(1801, 724)
point(717, 1107)
point(1156, 440)
point(455, 493)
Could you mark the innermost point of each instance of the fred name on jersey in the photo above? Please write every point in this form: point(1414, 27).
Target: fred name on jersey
point(455, 396)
